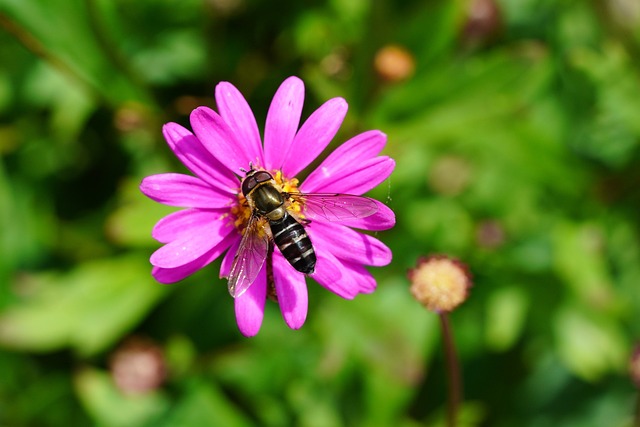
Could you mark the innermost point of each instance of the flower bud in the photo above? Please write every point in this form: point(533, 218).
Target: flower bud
point(439, 283)
point(394, 63)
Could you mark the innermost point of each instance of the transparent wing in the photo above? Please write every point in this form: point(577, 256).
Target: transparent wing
point(335, 206)
point(249, 259)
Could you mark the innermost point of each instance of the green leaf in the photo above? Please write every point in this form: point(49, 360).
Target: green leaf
point(87, 309)
point(204, 405)
point(70, 105)
point(506, 311)
point(130, 224)
point(591, 346)
point(110, 408)
point(580, 259)
point(86, 60)
point(386, 338)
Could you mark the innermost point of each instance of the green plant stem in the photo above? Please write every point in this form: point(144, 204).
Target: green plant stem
point(37, 48)
point(453, 371)
point(114, 55)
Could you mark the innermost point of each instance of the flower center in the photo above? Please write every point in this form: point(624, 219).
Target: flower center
point(242, 210)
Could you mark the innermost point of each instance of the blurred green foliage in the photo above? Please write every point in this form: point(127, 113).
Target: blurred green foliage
point(515, 128)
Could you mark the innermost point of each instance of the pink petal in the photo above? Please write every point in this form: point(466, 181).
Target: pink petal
point(384, 219)
point(327, 277)
point(235, 110)
point(172, 275)
point(198, 160)
point(249, 306)
point(358, 178)
point(328, 269)
point(219, 140)
point(190, 245)
point(186, 222)
point(176, 189)
point(360, 277)
point(314, 136)
point(350, 246)
point(291, 289)
point(358, 149)
point(282, 123)
point(227, 261)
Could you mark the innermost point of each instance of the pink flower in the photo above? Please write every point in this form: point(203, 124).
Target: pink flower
point(223, 147)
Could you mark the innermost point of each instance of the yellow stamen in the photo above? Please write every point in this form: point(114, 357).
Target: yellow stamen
point(241, 211)
point(294, 207)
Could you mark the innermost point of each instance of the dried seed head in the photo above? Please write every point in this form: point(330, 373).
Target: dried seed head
point(450, 175)
point(138, 366)
point(439, 283)
point(490, 234)
point(483, 22)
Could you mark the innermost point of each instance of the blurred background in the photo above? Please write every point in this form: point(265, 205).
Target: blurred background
point(515, 125)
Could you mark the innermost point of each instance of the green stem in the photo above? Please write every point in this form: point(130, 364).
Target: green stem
point(114, 54)
point(453, 371)
point(34, 46)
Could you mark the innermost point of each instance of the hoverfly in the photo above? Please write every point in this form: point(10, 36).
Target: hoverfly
point(268, 202)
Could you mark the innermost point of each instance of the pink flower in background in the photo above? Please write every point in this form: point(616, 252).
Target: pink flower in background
point(223, 149)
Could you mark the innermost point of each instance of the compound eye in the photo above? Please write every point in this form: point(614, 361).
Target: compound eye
point(263, 176)
point(248, 184)
point(255, 178)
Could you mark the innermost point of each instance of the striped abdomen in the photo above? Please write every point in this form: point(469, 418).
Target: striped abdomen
point(293, 242)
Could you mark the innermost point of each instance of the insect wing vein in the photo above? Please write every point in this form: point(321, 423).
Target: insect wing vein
point(336, 207)
point(249, 259)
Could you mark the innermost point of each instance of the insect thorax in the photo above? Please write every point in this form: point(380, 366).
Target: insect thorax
point(267, 200)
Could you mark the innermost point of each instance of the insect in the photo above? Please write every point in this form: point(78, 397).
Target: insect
point(268, 204)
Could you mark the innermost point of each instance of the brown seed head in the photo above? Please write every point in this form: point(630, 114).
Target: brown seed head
point(483, 22)
point(439, 283)
point(138, 366)
point(490, 234)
